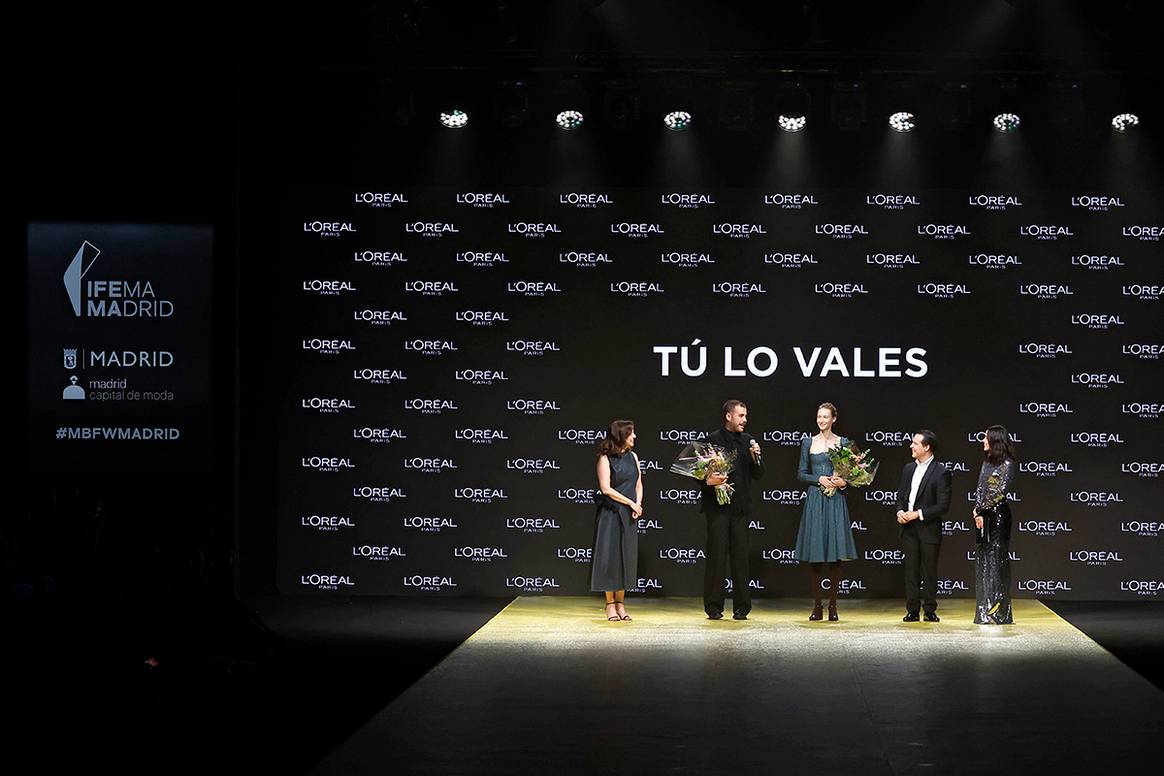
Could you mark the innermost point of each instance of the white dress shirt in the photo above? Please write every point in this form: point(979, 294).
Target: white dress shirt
point(918, 474)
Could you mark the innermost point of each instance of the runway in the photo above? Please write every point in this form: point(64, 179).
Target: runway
point(549, 686)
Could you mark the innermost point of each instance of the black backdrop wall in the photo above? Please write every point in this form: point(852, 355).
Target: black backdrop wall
point(450, 356)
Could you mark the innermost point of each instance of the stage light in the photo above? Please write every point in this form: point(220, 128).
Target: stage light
point(455, 119)
point(570, 119)
point(1125, 121)
point(792, 123)
point(1006, 122)
point(902, 121)
point(677, 120)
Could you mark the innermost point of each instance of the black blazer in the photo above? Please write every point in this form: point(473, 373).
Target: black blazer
point(933, 499)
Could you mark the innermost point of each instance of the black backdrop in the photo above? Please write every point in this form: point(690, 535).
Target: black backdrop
point(447, 357)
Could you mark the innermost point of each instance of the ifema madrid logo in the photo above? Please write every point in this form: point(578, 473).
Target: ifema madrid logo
point(98, 298)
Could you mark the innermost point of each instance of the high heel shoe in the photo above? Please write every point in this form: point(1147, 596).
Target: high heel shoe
point(833, 611)
point(817, 612)
point(615, 617)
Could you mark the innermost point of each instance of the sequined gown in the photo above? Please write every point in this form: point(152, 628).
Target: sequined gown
point(992, 563)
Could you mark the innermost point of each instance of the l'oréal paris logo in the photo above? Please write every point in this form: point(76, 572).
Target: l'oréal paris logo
point(328, 347)
point(482, 200)
point(994, 260)
point(532, 406)
point(378, 435)
point(577, 495)
point(627, 229)
point(533, 465)
point(1142, 468)
point(1044, 586)
point(1095, 498)
point(481, 317)
point(374, 376)
point(647, 584)
point(1096, 438)
point(378, 552)
point(328, 228)
point(383, 199)
point(429, 465)
point(683, 496)
point(378, 258)
point(1102, 380)
point(1044, 468)
point(329, 287)
point(1044, 290)
point(886, 498)
point(480, 554)
point(1095, 557)
point(585, 201)
point(584, 259)
point(891, 201)
point(1044, 527)
point(840, 290)
point(886, 557)
point(1097, 261)
point(326, 581)
point(790, 201)
point(481, 436)
point(790, 260)
point(431, 228)
point(994, 201)
point(1145, 410)
point(1045, 231)
point(1142, 527)
point(785, 556)
point(431, 287)
point(379, 317)
point(685, 200)
point(943, 290)
point(532, 584)
point(1146, 233)
point(332, 405)
point(534, 230)
point(1152, 587)
point(951, 527)
point(943, 231)
point(842, 231)
point(582, 436)
point(788, 498)
point(532, 287)
point(784, 438)
point(481, 259)
point(681, 435)
point(1044, 349)
point(1042, 409)
point(480, 376)
point(684, 556)
point(951, 586)
point(480, 495)
point(1144, 292)
point(636, 288)
point(738, 290)
point(532, 525)
point(430, 406)
point(1097, 320)
point(889, 437)
point(576, 554)
point(429, 524)
point(430, 347)
point(327, 523)
point(1144, 350)
point(429, 584)
point(532, 347)
point(892, 260)
point(740, 231)
point(1102, 202)
point(688, 260)
point(380, 494)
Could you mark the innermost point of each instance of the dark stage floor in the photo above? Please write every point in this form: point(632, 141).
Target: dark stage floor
point(282, 687)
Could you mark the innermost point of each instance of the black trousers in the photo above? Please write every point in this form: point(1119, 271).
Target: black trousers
point(921, 572)
point(727, 535)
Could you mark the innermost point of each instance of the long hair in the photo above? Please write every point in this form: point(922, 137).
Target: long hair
point(1000, 446)
point(615, 441)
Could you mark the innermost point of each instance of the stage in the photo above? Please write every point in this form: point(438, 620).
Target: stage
point(549, 686)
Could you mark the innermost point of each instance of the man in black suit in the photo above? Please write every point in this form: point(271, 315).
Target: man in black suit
point(727, 524)
point(922, 500)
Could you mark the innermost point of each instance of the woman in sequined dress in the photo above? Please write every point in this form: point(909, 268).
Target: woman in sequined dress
point(992, 518)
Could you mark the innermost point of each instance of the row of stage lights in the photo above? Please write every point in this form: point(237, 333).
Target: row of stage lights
point(679, 120)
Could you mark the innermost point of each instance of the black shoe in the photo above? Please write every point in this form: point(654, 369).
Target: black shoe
point(931, 617)
point(715, 615)
point(910, 617)
point(739, 615)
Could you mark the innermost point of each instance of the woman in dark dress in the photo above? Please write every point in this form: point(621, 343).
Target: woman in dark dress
point(992, 518)
point(825, 537)
point(614, 562)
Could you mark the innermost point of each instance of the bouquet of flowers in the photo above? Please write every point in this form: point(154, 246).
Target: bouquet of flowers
point(852, 465)
point(699, 459)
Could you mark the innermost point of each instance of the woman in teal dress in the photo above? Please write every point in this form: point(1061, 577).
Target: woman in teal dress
point(826, 533)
